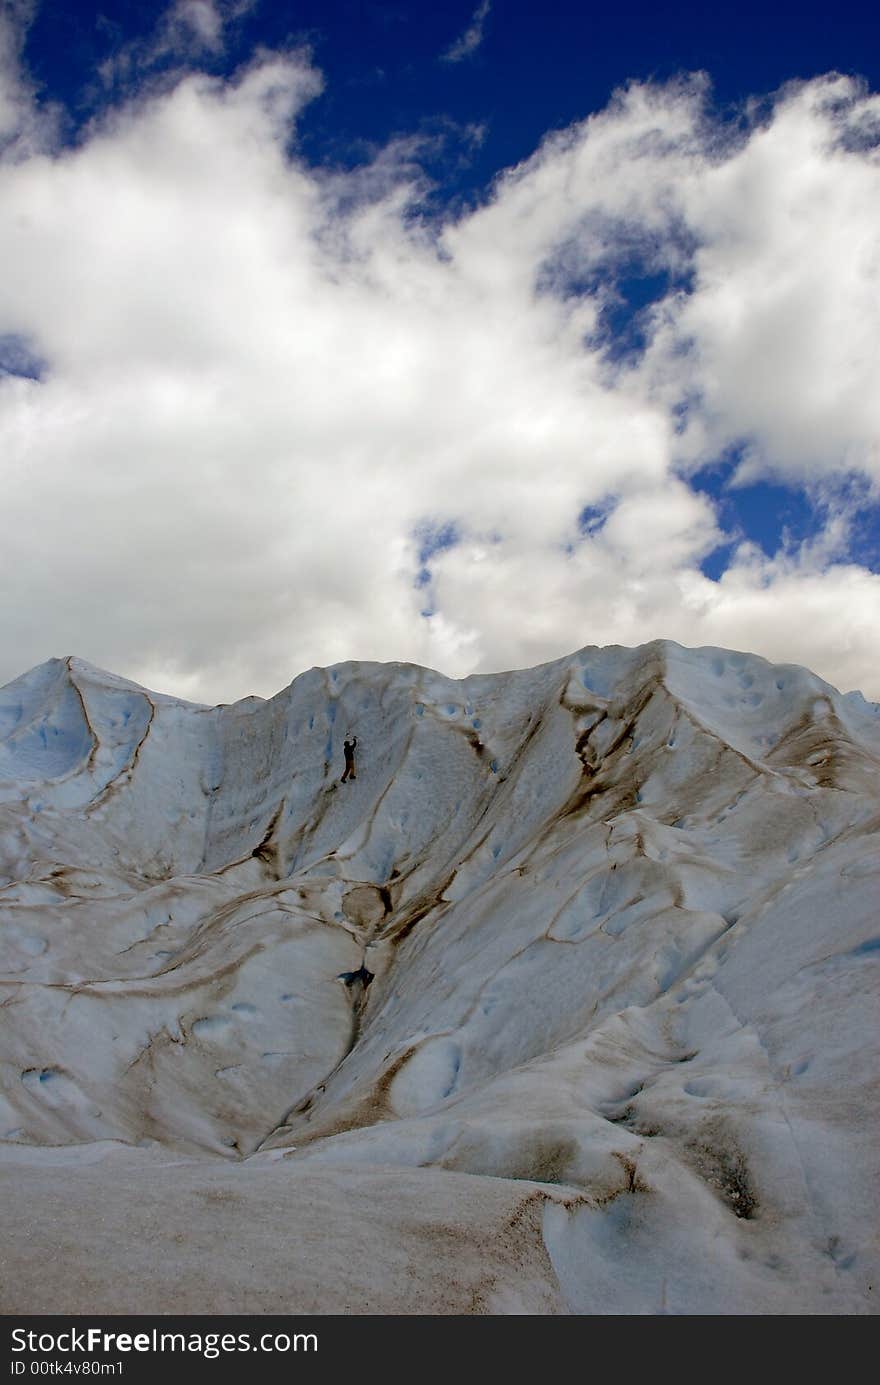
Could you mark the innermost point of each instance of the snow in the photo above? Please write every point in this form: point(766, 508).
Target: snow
point(618, 1051)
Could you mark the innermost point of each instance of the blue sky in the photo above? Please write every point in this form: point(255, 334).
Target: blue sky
point(652, 309)
point(538, 67)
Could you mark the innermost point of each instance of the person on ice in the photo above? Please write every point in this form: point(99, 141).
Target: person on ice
point(349, 749)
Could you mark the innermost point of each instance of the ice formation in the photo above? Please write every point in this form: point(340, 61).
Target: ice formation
point(567, 1003)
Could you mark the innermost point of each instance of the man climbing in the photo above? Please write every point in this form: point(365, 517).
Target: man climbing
point(349, 749)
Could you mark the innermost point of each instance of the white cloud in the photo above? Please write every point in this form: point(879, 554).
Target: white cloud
point(467, 43)
point(263, 382)
point(198, 22)
point(25, 126)
point(187, 32)
point(786, 320)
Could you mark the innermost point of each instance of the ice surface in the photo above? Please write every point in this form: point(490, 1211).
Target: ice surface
point(568, 1003)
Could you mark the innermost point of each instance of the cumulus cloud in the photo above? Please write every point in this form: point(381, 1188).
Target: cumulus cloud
point(466, 45)
point(285, 418)
point(785, 323)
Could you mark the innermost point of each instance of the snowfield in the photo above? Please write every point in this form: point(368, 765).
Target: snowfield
point(567, 1004)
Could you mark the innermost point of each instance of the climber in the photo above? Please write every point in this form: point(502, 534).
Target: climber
point(349, 749)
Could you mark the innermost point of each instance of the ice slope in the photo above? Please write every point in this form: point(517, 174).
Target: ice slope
point(619, 1046)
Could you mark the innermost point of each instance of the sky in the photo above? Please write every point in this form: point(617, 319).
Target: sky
point(466, 335)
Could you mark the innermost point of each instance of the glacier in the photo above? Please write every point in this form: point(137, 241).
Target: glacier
point(567, 1004)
